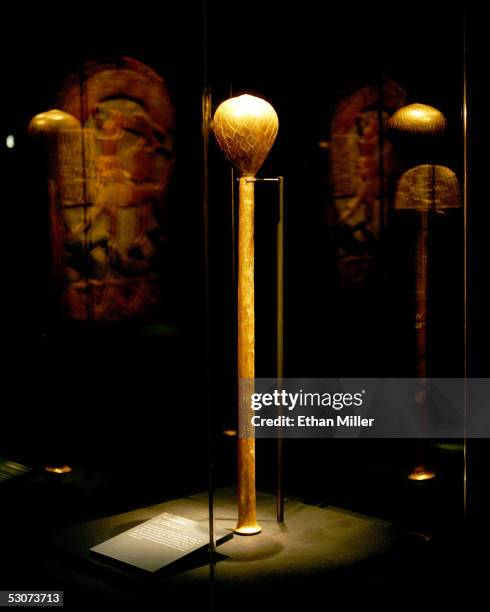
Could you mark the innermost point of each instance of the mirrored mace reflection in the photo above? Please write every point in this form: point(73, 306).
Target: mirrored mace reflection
point(424, 189)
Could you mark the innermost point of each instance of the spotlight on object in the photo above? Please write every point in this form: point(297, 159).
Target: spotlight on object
point(245, 128)
point(61, 469)
point(418, 119)
point(421, 473)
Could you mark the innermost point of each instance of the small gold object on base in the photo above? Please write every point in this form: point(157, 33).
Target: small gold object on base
point(421, 473)
point(425, 189)
point(61, 469)
point(248, 530)
point(229, 433)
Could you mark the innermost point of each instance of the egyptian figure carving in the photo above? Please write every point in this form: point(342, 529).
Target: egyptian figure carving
point(362, 161)
point(111, 177)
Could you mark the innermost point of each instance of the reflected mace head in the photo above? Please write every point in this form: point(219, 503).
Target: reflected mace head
point(245, 128)
point(52, 122)
point(418, 119)
point(428, 187)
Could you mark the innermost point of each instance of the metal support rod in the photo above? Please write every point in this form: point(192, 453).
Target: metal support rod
point(253, 179)
point(280, 342)
point(465, 268)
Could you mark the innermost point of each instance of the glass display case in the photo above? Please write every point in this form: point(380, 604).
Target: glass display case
point(234, 202)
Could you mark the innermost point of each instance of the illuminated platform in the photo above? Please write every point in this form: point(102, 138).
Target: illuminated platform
point(317, 548)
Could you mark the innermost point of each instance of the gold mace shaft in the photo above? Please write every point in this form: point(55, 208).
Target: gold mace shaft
point(247, 518)
point(420, 472)
point(421, 274)
point(421, 121)
point(245, 128)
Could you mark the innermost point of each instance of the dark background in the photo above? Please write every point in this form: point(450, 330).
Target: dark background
point(132, 413)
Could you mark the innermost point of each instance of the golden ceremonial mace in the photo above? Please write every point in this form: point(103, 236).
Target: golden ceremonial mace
point(49, 126)
point(425, 189)
point(245, 128)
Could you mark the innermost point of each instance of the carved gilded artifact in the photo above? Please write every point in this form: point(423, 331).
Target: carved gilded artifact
point(245, 128)
point(425, 188)
point(111, 149)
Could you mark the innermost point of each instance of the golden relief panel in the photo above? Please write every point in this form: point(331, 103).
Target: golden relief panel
point(109, 179)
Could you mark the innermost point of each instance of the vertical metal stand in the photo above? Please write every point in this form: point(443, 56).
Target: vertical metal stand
point(280, 341)
point(206, 123)
point(465, 272)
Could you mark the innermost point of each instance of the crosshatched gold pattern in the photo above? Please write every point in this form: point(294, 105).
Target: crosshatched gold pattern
point(245, 128)
point(428, 187)
point(418, 119)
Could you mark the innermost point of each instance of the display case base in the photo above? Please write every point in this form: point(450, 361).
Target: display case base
point(315, 546)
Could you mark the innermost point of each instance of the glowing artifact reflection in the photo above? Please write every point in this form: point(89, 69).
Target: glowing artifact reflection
point(425, 189)
point(245, 128)
point(111, 153)
point(418, 119)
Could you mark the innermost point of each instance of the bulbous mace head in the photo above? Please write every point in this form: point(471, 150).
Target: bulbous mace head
point(418, 119)
point(428, 187)
point(52, 122)
point(245, 128)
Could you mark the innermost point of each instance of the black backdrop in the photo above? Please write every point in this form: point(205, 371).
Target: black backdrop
point(106, 398)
